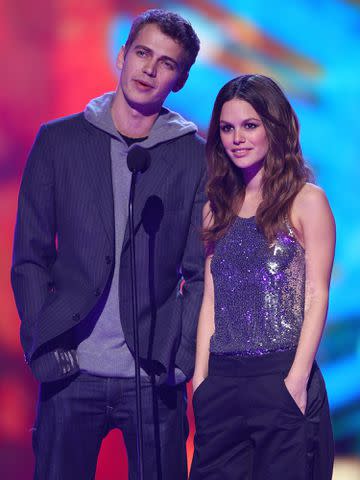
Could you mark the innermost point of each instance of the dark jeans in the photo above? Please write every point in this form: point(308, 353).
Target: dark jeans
point(248, 426)
point(75, 415)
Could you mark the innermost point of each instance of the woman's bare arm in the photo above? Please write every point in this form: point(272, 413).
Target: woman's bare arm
point(206, 319)
point(313, 218)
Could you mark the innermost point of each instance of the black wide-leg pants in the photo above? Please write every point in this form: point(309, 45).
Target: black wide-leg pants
point(248, 426)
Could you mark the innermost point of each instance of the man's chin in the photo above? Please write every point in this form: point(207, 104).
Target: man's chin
point(145, 108)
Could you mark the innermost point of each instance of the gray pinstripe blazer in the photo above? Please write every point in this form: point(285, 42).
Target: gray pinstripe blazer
point(63, 257)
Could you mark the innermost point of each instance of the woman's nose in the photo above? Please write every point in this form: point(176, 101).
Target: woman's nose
point(239, 137)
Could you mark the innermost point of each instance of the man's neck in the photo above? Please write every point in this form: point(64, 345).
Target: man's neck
point(129, 120)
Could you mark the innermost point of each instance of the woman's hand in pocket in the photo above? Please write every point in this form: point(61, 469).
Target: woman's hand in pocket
point(297, 390)
point(196, 382)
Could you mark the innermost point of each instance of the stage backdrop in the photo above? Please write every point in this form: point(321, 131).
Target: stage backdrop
point(57, 54)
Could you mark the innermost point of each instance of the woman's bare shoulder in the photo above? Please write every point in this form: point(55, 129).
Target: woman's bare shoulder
point(310, 199)
point(310, 207)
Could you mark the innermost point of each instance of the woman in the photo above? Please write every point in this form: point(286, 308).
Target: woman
point(260, 402)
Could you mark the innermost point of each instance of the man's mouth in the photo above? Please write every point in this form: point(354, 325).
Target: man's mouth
point(143, 84)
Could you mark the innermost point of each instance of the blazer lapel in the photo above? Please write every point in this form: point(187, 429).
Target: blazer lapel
point(98, 168)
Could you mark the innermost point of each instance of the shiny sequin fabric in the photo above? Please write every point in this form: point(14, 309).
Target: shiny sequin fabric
point(259, 291)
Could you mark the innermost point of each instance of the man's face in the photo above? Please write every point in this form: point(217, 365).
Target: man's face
point(152, 67)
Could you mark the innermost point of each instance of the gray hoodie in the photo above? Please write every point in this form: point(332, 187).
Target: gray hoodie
point(102, 349)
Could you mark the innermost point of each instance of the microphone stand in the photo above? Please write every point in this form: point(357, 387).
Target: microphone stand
point(139, 431)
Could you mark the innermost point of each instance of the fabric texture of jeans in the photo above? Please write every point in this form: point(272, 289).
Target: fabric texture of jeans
point(74, 415)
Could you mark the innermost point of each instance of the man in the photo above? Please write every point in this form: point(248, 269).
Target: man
point(71, 267)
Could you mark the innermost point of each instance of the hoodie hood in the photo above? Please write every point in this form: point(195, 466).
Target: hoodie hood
point(167, 126)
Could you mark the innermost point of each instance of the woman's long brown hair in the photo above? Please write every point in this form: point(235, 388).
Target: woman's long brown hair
point(285, 171)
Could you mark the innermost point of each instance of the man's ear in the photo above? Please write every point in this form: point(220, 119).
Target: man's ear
point(181, 81)
point(120, 58)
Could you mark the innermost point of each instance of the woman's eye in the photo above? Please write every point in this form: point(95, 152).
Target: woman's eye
point(251, 126)
point(225, 128)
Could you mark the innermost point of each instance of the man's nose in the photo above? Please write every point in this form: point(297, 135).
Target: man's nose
point(150, 68)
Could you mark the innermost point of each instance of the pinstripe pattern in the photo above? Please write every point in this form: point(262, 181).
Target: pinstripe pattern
point(66, 192)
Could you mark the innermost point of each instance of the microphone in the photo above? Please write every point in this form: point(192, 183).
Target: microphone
point(138, 159)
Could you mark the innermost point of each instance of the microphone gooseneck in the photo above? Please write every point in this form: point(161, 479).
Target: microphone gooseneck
point(138, 161)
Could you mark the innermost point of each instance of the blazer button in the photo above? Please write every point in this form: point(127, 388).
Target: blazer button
point(97, 292)
point(76, 317)
point(108, 259)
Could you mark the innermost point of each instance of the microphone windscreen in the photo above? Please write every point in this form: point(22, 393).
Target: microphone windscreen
point(138, 159)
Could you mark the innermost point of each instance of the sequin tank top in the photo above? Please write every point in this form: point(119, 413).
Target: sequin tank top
point(259, 291)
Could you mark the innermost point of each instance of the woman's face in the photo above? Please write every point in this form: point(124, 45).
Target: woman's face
point(242, 133)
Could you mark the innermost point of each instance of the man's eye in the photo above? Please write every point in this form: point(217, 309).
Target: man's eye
point(168, 65)
point(141, 53)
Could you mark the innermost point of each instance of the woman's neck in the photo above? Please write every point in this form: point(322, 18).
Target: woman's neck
point(252, 192)
point(252, 176)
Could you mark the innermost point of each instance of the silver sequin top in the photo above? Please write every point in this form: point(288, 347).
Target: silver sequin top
point(259, 291)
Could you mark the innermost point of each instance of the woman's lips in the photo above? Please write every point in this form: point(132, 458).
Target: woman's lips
point(240, 152)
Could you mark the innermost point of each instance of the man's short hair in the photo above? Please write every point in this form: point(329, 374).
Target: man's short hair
point(172, 25)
